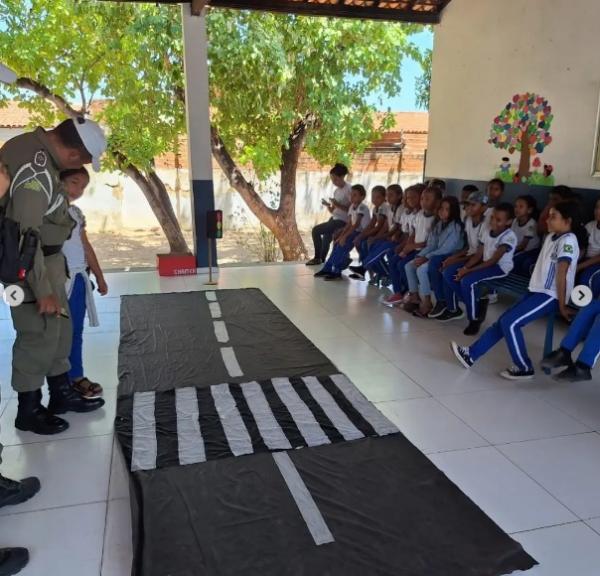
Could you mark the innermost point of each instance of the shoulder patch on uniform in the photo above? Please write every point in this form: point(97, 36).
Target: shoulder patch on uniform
point(40, 159)
point(568, 249)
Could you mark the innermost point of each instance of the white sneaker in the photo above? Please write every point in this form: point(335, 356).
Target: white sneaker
point(493, 297)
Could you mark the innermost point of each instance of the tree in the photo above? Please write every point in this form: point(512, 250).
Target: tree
point(523, 126)
point(423, 82)
point(283, 84)
point(66, 53)
point(279, 85)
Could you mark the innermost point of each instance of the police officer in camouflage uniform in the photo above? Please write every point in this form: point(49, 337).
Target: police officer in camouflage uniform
point(37, 202)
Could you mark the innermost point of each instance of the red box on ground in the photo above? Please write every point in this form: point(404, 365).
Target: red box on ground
point(176, 264)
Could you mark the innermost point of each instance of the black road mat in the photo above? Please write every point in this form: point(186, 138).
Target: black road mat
point(252, 455)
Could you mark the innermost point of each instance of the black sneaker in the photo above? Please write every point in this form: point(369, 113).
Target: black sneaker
point(450, 315)
point(332, 277)
point(360, 270)
point(515, 373)
point(438, 310)
point(472, 328)
point(557, 359)
point(357, 277)
point(13, 560)
point(321, 273)
point(462, 355)
point(314, 262)
point(13, 492)
point(578, 372)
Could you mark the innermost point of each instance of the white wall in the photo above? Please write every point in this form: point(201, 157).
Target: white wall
point(488, 50)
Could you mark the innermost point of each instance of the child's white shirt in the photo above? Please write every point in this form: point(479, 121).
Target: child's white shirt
point(593, 231)
point(361, 210)
point(73, 249)
point(556, 248)
point(493, 243)
point(422, 226)
point(474, 234)
point(528, 230)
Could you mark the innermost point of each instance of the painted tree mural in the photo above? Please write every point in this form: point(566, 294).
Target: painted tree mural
point(523, 126)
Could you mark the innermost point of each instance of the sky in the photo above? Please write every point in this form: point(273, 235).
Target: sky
point(405, 101)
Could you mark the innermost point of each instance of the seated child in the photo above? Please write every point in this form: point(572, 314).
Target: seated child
point(474, 228)
point(386, 240)
point(445, 238)
point(550, 288)
point(589, 268)
point(558, 194)
point(585, 328)
point(358, 219)
point(525, 228)
point(364, 240)
point(423, 222)
point(464, 199)
point(493, 259)
point(80, 257)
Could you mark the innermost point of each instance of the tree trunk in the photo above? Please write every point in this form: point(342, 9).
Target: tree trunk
point(525, 161)
point(156, 194)
point(150, 184)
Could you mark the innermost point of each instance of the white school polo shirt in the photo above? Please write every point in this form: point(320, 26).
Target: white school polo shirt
point(492, 243)
point(422, 226)
point(474, 234)
point(360, 210)
point(528, 230)
point(593, 231)
point(556, 248)
point(342, 196)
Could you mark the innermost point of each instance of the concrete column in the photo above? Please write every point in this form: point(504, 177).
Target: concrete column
point(198, 127)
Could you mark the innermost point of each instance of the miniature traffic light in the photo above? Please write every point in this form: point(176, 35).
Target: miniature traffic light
point(214, 224)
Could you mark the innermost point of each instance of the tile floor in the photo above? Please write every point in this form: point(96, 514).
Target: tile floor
point(527, 454)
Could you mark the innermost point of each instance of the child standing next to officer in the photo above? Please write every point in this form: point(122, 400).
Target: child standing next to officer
point(81, 259)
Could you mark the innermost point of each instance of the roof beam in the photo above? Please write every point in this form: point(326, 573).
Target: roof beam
point(334, 10)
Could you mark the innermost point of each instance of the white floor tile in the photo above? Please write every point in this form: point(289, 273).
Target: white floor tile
point(71, 471)
point(569, 468)
point(118, 550)
point(581, 400)
point(594, 523)
point(383, 382)
point(569, 550)
point(501, 490)
point(119, 480)
point(503, 416)
point(98, 423)
point(430, 426)
point(67, 541)
point(349, 351)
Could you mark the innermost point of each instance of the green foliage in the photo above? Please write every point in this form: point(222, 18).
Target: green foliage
point(129, 54)
point(268, 72)
point(423, 83)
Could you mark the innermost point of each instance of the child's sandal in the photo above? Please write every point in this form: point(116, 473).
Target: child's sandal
point(411, 307)
point(89, 390)
point(420, 314)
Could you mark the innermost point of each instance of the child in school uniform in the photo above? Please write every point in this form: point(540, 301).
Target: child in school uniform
point(387, 239)
point(525, 228)
point(589, 268)
point(585, 328)
point(493, 259)
point(378, 219)
point(473, 232)
point(80, 257)
point(465, 193)
point(423, 222)
point(445, 238)
point(550, 287)
point(359, 217)
point(383, 213)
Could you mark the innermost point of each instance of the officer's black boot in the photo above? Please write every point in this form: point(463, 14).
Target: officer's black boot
point(13, 492)
point(33, 417)
point(13, 560)
point(64, 398)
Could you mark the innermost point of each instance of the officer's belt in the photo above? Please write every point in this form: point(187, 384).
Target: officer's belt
point(51, 250)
